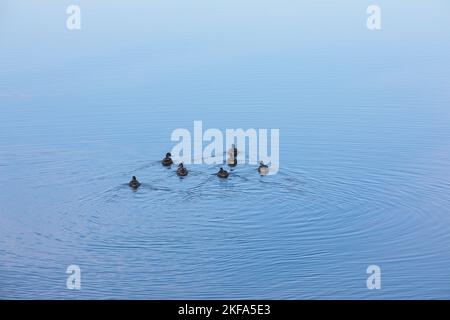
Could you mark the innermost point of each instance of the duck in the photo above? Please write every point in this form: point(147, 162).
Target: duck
point(134, 183)
point(263, 169)
point(233, 152)
point(167, 161)
point(232, 162)
point(222, 173)
point(182, 171)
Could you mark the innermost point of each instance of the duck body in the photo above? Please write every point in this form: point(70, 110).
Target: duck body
point(263, 169)
point(181, 171)
point(222, 173)
point(233, 152)
point(134, 183)
point(232, 162)
point(167, 161)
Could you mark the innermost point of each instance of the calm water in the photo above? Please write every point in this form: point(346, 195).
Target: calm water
point(364, 150)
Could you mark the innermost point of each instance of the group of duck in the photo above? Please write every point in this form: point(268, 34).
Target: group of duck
point(263, 169)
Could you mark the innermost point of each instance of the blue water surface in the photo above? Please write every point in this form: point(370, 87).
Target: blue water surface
point(364, 149)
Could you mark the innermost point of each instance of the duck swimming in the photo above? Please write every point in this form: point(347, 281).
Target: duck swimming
point(263, 169)
point(134, 183)
point(182, 171)
point(167, 161)
point(222, 173)
point(233, 152)
point(232, 162)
